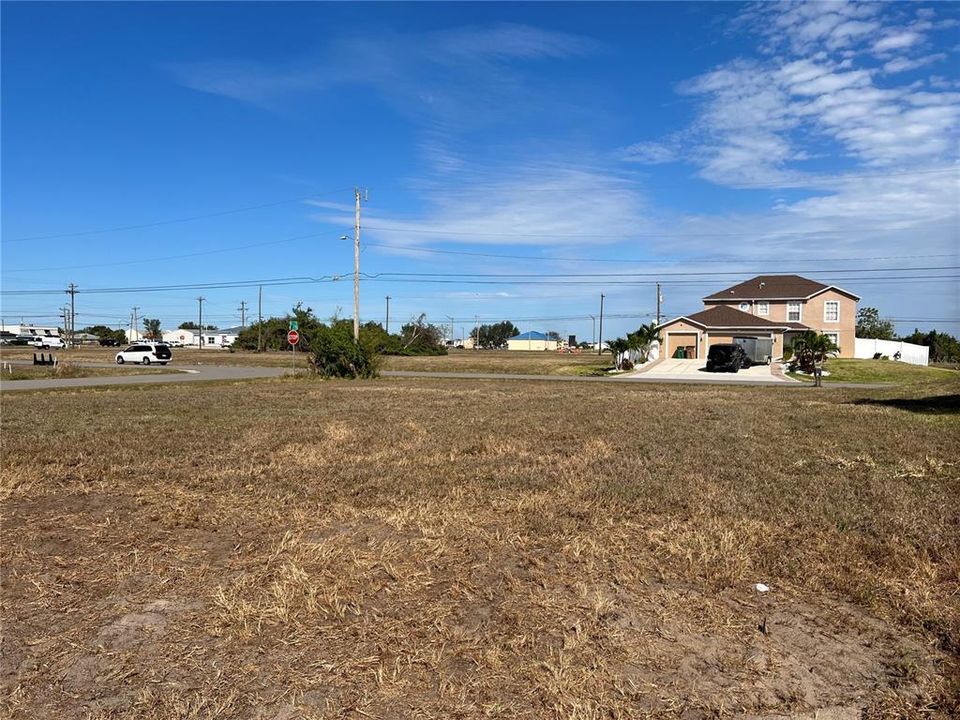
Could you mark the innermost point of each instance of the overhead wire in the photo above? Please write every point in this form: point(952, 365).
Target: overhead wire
point(158, 223)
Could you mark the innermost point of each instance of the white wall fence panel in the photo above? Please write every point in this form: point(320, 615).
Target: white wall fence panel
point(909, 353)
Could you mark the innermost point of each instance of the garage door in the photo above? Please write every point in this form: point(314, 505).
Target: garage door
point(688, 341)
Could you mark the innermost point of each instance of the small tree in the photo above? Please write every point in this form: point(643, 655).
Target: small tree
point(642, 338)
point(811, 350)
point(419, 337)
point(618, 347)
point(151, 328)
point(335, 354)
point(495, 336)
point(870, 326)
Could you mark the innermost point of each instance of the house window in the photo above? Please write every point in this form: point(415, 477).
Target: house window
point(834, 338)
point(763, 308)
point(793, 311)
point(745, 307)
point(831, 311)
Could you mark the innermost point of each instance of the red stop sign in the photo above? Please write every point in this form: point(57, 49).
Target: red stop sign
point(293, 337)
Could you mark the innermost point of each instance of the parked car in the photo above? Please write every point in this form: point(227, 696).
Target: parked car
point(145, 353)
point(46, 341)
point(726, 357)
point(109, 342)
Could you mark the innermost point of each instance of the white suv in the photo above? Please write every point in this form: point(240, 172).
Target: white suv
point(145, 353)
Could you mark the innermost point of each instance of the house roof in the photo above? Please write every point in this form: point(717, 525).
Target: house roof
point(775, 287)
point(227, 331)
point(530, 335)
point(725, 317)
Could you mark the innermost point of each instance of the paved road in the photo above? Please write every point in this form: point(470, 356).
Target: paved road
point(204, 373)
point(200, 373)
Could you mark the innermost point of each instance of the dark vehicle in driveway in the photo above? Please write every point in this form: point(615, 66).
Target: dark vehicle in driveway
point(109, 342)
point(726, 357)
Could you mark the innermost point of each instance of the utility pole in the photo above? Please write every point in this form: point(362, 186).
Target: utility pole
point(600, 344)
point(593, 334)
point(243, 313)
point(659, 300)
point(65, 314)
point(388, 316)
point(136, 328)
point(452, 338)
point(260, 319)
point(476, 340)
point(200, 323)
point(356, 266)
point(72, 292)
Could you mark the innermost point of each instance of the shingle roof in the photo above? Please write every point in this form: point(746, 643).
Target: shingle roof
point(774, 287)
point(530, 335)
point(723, 316)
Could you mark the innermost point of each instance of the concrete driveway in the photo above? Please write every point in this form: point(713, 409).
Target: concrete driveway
point(695, 370)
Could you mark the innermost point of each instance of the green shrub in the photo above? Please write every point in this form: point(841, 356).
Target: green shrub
point(334, 354)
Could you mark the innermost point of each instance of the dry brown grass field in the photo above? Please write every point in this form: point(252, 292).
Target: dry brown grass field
point(500, 361)
point(446, 549)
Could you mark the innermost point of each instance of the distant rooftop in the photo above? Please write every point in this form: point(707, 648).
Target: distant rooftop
point(530, 335)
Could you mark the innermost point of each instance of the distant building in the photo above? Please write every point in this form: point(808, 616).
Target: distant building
point(182, 336)
point(31, 329)
point(532, 340)
point(224, 337)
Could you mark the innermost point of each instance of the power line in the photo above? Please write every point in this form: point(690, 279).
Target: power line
point(545, 258)
point(158, 223)
point(169, 257)
point(622, 235)
point(653, 274)
point(494, 278)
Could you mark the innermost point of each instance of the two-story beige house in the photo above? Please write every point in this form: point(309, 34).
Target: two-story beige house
point(777, 307)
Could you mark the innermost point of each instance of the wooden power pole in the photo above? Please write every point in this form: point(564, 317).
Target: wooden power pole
point(600, 344)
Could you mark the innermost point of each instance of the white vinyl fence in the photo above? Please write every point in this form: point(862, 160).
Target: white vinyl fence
point(909, 353)
point(652, 353)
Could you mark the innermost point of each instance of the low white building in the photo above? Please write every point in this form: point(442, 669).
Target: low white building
point(222, 338)
point(532, 340)
point(182, 336)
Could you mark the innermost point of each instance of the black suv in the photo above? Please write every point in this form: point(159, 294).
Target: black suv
point(726, 357)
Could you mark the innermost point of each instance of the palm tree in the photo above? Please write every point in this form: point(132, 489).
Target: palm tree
point(152, 328)
point(642, 338)
point(618, 347)
point(811, 350)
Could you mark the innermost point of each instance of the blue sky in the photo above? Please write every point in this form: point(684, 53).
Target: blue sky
point(587, 148)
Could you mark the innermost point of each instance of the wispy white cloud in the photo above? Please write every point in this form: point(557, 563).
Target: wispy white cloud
point(649, 153)
point(760, 119)
point(463, 73)
point(537, 203)
point(897, 41)
point(816, 109)
point(903, 64)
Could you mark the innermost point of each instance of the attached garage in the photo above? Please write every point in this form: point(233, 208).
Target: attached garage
point(688, 342)
point(721, 324)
